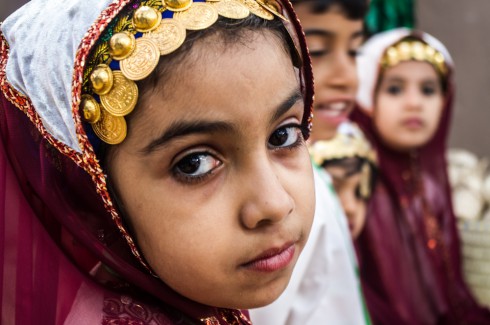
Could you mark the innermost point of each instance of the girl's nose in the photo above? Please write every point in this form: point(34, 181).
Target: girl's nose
point(266, 200)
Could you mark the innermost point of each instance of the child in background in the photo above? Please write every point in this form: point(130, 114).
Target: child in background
point(351, 162)
point(409, 251)
point(153, 160)
point(325, 287)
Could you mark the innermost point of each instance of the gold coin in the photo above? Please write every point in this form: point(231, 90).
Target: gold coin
point(169, 36)
point(418, 51)
point(271, 6)
point(146, 18)
point(144, 59)
point(90, 109)
point(177, 5)
point(257, 9)
point(200, 15)
point(231, 9)
point(121, 100)
point(404, 51)
point(101, 79)
point(110, 129)
point(121, 45)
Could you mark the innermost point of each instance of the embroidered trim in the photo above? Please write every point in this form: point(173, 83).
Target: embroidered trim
point(126, 311)
point(87, 159)
point(95, 170)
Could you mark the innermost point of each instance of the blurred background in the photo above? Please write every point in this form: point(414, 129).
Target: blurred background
point(463, 26)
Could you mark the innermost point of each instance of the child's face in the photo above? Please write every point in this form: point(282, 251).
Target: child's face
point(215, 175)
point(347, 186)
point(333, 41)
point(408, 106)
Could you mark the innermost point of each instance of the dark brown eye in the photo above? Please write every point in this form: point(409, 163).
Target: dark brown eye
point(285, 136)
point(197, 164)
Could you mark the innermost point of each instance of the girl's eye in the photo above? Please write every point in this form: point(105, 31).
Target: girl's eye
point(196, 166)
point(353, 53)
point(428, 90)
point(316, 53)
point(286, 136)
point(394, 90)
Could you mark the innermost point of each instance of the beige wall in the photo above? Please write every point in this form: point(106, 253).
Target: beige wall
point(464, 27)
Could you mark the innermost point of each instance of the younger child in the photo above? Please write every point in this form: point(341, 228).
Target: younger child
point(351, 162)
point(153, 160)
point(409, 252)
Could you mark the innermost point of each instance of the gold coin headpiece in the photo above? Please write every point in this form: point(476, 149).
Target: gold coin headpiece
point(347, 145)
point(130, 49)
point(414, 50)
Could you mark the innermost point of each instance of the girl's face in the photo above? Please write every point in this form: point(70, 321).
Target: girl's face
point(409, 105)
point(347, 186)
point(215, 176)
point(333, 41)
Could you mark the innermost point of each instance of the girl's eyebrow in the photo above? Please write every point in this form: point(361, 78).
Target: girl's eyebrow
point(318, 32)
point(286, 105)
point(327, 33)
point(183, 128)
point(397, 79)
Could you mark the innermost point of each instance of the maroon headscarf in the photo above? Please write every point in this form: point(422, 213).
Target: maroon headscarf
point(409, 251)
point(65, 255)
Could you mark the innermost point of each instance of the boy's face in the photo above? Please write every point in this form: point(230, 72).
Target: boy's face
point(215, 175)
point(347, 186)
point(409, 105)
point(333, 41)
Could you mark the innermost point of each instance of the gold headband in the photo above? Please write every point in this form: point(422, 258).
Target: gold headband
point(343, 146)
point(408, 50)
point(131, 47)
point(340, 147)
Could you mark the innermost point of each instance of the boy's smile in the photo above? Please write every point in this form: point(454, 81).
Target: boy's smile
point(333, 41)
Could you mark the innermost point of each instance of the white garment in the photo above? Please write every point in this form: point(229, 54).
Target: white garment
point(324, 287)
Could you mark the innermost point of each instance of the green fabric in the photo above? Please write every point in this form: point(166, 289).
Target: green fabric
point(388, 14)
point(365, 310)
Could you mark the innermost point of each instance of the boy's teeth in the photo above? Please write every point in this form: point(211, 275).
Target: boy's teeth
point(332, 112)
point(337, 106)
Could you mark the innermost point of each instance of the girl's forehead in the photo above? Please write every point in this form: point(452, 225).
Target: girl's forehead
point(408, 70)
point(263, 81)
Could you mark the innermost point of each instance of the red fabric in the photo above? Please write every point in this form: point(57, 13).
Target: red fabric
point(56, 234)
point(409, 251)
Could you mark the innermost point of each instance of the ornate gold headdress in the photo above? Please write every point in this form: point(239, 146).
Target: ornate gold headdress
point(349, 144)
point(131, 48)
point(407, 50)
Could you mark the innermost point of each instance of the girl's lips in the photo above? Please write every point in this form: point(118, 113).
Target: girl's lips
point(273, 259)
point(413, 123)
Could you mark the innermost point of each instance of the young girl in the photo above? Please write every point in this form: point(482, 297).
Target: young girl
point(409, 251)
point(154, 165)
point(351, 162)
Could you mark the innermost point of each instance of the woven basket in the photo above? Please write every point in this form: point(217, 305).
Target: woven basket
point(475, 240)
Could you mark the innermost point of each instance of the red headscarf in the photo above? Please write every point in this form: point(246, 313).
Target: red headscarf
point(65, 255)
point(409, 251)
